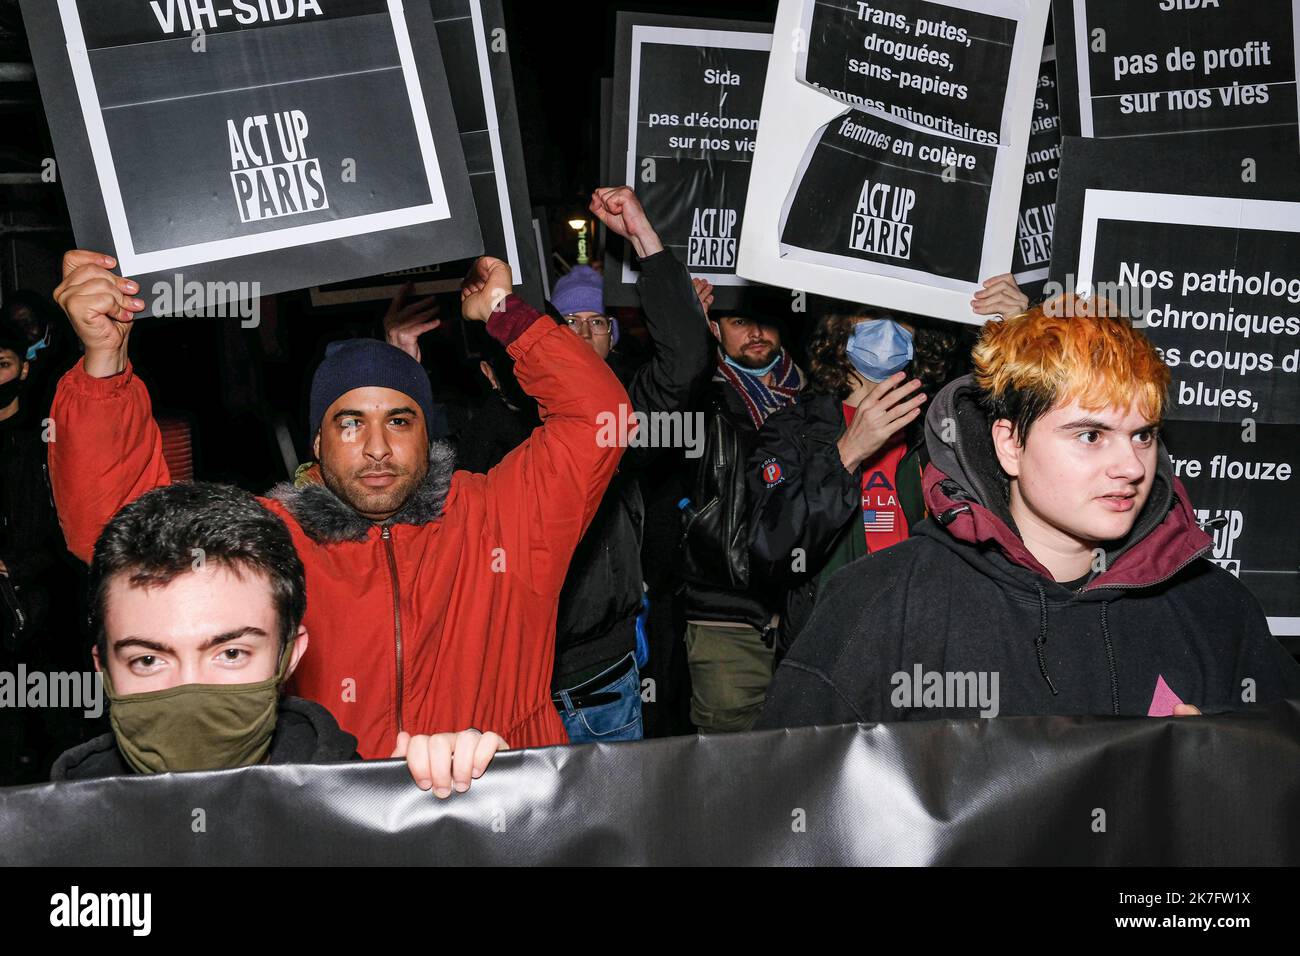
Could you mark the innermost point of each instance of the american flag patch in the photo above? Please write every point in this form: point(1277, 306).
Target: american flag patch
point(878, 520)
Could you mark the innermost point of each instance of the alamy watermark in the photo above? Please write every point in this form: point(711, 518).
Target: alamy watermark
point(627, 428)
point(221, 300)
point(81, 690)
point(77, 909)
point(1118, 300)
point(920, 688)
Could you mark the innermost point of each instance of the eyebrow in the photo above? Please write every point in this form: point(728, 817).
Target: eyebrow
point(211, 642)
point(1093, 424)
point(357, 413)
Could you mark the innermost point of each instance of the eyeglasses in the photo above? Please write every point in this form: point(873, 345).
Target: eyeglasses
point(598, 324)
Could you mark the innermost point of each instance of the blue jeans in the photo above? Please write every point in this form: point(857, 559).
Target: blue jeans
point(616, 720)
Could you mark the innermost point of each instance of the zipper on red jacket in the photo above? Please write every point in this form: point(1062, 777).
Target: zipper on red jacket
point(387, 535)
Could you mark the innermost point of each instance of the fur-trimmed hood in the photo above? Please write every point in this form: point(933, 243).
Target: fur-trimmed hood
point(328, 519)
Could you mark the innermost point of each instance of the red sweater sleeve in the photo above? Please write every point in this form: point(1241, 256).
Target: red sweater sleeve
point(546, 491)
point(105, 451)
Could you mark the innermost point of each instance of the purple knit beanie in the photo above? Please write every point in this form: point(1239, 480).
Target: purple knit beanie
point(581, 290)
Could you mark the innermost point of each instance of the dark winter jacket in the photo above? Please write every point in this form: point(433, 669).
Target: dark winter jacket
point(305, 732)
point(965, 596)
point(814, 505)
point(30, 541)
point(717, 585)
point(602, 594)
point(487, 431)
point(596, 622)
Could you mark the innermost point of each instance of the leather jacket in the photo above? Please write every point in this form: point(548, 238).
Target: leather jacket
point(714, 549)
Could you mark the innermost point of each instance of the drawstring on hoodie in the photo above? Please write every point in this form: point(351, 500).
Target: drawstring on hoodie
point(1041, 641)
point(1110, 660)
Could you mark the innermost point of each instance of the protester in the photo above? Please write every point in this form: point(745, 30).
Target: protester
point(602, 599)
point(1063, 570)
point(596, 685)
point(403, 323)
point(501, 419)
point(837, 476)
point(30, 549)
point(29, 534)
point(432, 592)
point(32, 319)
point(197, 608)
point(731, 621)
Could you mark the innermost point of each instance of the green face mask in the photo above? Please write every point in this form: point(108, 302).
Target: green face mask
point(197, 726)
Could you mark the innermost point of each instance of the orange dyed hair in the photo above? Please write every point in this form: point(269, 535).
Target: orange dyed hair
point(1065, 350)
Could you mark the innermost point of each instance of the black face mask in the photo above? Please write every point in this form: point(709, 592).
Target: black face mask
point(9, 391)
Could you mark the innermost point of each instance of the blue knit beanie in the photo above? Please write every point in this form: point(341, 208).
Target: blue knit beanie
point(581, 290)
point(368, 363)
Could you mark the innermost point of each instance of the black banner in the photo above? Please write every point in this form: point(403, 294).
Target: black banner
point(273, 145)
point(1198, 239)
point(876, 191)
point(1176, 66)
point(1060, 791)
point(696, 86)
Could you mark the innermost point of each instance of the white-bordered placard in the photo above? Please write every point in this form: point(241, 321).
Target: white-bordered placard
point(673, 36)
point(1210, 212)
point(134, 263)
point(793, 113)
point(1183, 28)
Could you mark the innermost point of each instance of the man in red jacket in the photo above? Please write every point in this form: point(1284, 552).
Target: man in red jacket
point(432, 593)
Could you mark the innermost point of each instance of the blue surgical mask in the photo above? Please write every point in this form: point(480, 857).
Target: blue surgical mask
point(756, 372)
point(37, 346)
point(879, 348)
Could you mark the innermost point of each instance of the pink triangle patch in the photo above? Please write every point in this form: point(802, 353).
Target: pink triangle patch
point(1163, 701)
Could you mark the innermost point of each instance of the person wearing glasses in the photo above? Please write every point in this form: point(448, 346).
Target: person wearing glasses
point(583, 287)
point(597, 684)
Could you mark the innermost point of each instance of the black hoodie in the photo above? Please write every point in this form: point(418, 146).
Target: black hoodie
point(305, 732)
point(964, 596)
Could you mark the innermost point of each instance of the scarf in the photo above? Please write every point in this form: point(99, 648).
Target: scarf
point(762, 400)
